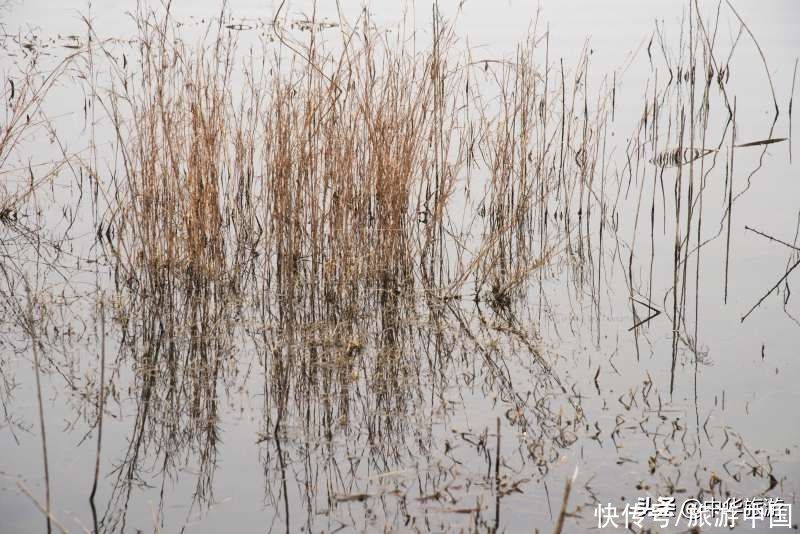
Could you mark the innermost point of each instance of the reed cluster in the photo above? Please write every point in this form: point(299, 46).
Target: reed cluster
point(324, 173)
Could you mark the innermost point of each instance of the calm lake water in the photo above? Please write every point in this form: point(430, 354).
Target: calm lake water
point(421, 413)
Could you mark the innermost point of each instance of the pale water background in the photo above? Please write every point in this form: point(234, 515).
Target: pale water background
point(754, 366)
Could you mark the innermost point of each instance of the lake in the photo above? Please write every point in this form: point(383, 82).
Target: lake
point(328, 267)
